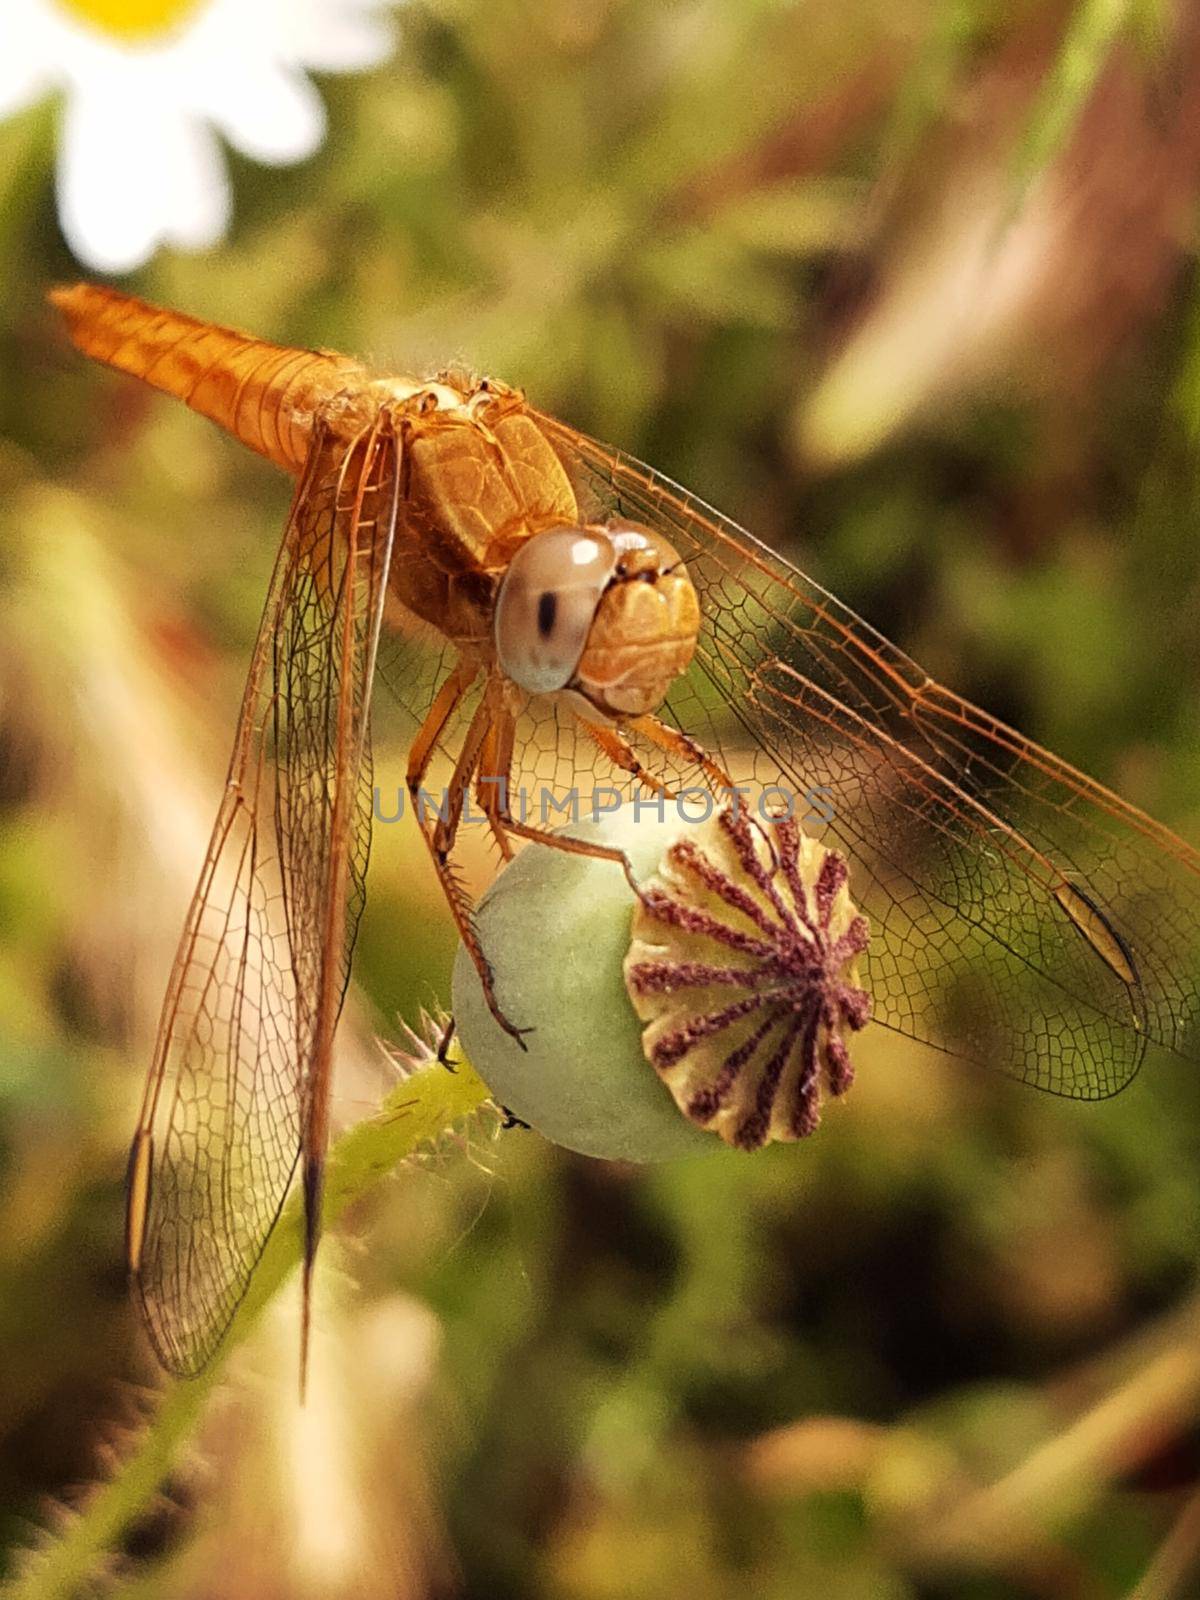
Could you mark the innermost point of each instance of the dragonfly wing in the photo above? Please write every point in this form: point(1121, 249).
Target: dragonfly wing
point(231, 1087)
point(1022, 915)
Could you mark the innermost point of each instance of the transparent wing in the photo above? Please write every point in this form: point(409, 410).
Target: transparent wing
point(231, 1085)
point(1023, 916)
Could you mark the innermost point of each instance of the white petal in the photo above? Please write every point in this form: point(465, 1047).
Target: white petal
point(132, 174)
point(342, 39)
point(26, 66)
point(198, 185)
point(21, 83)
point(271, 113)
point(110, 218)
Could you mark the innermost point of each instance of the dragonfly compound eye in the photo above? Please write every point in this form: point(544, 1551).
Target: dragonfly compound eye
point(546, 605)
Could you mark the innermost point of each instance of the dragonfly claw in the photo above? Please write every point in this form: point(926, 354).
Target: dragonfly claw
point(511, 1028)
point(443, 1049)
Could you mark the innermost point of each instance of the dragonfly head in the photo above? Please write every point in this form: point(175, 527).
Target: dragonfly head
point(608, 611)
point(644, 629)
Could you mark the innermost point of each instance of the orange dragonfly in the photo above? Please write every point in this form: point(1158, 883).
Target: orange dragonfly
point(589, 619)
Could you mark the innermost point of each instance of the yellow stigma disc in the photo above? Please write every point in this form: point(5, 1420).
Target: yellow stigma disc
point(134, 20)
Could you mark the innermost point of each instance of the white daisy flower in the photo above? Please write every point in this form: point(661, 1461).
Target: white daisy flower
point(150, 87)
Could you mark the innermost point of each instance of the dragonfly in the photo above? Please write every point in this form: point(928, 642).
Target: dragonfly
point(550, 610)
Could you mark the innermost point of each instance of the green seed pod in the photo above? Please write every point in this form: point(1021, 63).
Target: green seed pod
point(556, 928)
point(715, 1001)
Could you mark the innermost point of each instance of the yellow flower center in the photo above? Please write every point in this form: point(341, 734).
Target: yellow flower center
point(131, 19)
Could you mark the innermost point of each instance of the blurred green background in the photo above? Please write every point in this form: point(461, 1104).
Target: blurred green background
point(909, 290)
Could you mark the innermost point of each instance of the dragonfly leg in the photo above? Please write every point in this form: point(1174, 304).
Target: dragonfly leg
point(572, 846)
point(613, 743)
point(677, 743)
point(440, 838)
point(445, 703)
point(495, 774)
point(564, 841)
point(444, 1043)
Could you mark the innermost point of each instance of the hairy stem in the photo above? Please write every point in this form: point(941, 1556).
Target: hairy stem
point(426, 1104)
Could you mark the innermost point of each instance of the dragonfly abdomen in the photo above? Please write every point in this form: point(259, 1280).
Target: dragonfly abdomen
point(266, 395)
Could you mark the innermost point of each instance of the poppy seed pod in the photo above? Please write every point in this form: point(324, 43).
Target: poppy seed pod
point(717, 999)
